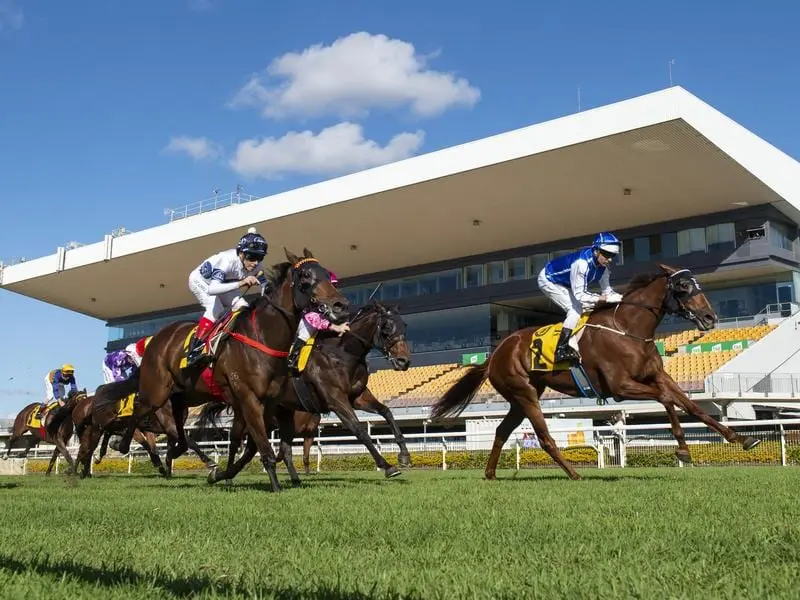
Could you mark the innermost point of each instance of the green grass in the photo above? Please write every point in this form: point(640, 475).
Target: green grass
point(637, 533)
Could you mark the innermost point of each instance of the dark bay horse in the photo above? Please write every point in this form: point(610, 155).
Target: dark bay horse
point(59, 438)
point(250, 366)
point(337, 375)
point(619, 356)
point(98, 417)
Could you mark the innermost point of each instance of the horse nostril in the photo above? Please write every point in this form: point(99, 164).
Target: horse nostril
point(339, 307)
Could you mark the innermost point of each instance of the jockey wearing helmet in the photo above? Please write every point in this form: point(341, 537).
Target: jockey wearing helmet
point(220, 281)
point(54, 384)
point(118, 365)
point(311, 323)
point(565, 280)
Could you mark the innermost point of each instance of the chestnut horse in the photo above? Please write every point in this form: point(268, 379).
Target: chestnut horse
point(618, 354)
point(249, 367)
point(59, 437)
point(337, 375)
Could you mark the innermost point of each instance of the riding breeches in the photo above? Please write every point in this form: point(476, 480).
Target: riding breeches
point(562, 297)
point(48, 387)
point(215, 306)
point(108, 376)
point(305, 331)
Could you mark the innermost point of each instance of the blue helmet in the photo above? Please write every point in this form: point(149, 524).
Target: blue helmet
point(252, 243)
point(607, 242)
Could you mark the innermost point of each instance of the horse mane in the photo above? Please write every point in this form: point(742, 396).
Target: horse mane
point(276, 275)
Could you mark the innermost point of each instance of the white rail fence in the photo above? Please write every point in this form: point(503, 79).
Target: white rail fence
point(617, 446)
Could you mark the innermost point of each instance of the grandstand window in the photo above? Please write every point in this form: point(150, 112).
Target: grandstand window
point(691, 240)
point(473, 276)
point(536, 263)
point(390, 290)
point(408, 288)
point(433, 331)
point(781, 236)
point(721, 236)
point(497, 271)
point(669, 245)
point(515, 269)
point(449, 280)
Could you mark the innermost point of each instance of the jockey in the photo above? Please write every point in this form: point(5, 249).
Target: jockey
point(565, 281)
point(311, 322)
point(54, 384)
point(220, 282)
point(136, 351)
point(118, 365)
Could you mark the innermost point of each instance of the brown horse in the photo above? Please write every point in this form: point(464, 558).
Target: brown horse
point(59, 438)
point(336, 376)
point(96, 417)
point(618, 354)
point(250, 366)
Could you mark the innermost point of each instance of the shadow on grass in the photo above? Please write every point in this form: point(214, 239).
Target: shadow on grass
point(115, 576)
point(9, 486)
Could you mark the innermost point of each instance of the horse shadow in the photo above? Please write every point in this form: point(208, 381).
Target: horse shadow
point(116, 577)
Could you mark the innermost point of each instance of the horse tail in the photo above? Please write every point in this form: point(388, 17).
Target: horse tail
point(209, 414)
point(460, 393)
point(115, 391)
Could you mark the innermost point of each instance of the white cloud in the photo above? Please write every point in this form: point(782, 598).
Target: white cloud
point(198, 148)
point(354, 74)
point(334, 150)
point(11, 16)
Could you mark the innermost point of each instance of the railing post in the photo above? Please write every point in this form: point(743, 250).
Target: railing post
point(319, 457)
point(783, 445)
point(24, 465)
point(444, 455)
point(518, 447)
point(601, 451)
point(57, 459)
point(130, 462)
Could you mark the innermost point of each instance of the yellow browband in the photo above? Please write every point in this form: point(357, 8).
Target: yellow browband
point(303, 261)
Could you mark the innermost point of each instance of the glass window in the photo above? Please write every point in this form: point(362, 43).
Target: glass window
point(428, 285)
point(629, 251)
point(691, 240)
point(466, 327)
point(515, 269)
point(641, 249)
point(669, 245)
point(536, 264)
point(449, 280)
point(408, 288)
point(497, 271)
point(781, 236)
point(474, 276)
point(390, 290)
point(721, 236)
point(558, 253)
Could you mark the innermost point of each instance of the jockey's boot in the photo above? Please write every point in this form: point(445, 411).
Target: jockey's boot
point(565, 352)
point(195, 354)
point(294, 356)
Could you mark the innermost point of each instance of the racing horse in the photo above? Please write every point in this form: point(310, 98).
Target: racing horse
point(336, 379)
point(619, 357)
point(249, 368)
point(60, 436)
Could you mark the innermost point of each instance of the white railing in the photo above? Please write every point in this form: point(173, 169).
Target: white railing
point(209, 204)
point(776, 386)
point(609, 446)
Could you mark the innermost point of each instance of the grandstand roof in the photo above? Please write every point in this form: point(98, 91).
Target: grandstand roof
point(678, 156)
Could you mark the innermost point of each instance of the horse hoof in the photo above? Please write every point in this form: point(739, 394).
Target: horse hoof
point(162, 471)
point(212, 477)
point(212, 466)
point(576, 477)
point(750, 442)
point(404, 460)
point(297, 483)
point(392, 471)
point(683, 456)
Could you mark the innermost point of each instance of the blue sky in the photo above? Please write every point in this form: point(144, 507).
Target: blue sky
point(113, 110)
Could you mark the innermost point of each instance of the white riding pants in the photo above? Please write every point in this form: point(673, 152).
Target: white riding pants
point(108, 376)
point(48, 387)
point(215, 306)
point(563, 298)
point(305, 331)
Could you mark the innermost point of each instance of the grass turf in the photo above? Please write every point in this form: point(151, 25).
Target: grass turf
point(634, 533)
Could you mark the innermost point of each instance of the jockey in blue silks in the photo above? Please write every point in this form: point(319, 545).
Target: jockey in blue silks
point(565, 280)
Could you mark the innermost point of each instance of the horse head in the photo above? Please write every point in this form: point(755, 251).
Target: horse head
point(387, 330)
point(312, 289)
point(685, 299)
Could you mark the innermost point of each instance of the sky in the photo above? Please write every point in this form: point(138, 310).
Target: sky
point(112, 111)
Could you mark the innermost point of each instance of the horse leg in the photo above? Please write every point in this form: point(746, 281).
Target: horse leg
point(148, 442)
point(103, 448)
point(52, 462)
point(286, 433)
point(675, 393)
point(85, 449)
point(367, 402)
point(682, 453)
point(344, 410)
point(61, 444)
point(509, 423)
point(233, 466)
point(308, 441)
point(195, 447)
point(256, 418)
point(10, 444)
point(140, 411)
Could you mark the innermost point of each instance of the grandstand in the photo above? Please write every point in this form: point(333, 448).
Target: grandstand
point(459, 236)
